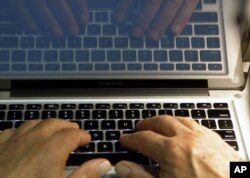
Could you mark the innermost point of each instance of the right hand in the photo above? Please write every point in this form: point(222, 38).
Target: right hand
point(181, 147)
point(59, 17)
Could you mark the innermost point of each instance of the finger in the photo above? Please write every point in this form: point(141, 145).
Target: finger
point(188, 122)
point(145, 16)
point(44, 17)
point(24, 14)
point(148, 143)
point(63, 142)
point(183, 16)
point(49, 127)
point(122, 10)
point(126, 169)
point(64, 15)
point(6, 135)
point(164, 125)
point(26, 127)
point(92, 169)
point(164, 18)
point(80, 10)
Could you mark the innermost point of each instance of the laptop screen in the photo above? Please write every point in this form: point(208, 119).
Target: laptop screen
point(111, 39)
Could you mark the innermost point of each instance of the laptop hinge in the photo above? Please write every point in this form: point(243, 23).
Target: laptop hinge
point(103, 88)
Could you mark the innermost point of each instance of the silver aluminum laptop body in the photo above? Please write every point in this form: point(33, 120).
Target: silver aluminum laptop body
point(229, 85)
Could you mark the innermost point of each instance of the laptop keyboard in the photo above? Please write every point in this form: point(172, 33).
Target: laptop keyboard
point(105, 48)
point(106, 122)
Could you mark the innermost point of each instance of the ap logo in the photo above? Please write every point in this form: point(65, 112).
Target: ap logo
point(239, 169)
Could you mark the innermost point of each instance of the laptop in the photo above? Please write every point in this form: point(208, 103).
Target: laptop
point(106, 80)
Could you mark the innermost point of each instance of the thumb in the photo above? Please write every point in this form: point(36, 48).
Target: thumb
point(126, 169)
point(92, 169)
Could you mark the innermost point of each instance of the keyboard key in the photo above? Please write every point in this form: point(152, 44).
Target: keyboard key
point(182, 42)
point(30, 115)
point(167, 67)
point(27, 42)
point(198, 114)
point(10, 29)
point(148, 113)
point(176, 56)
point(233, 144)
point(118, 67)
point(167, 42)
point(69, 67)
point(82, 114)
point(34, 106)
point(108, 124)
point(206, 29)
point(113, 135)
point(152, 43)
point(15, 115)
point(86, 106)
point(182, 113)
point(218, 113)
point(220, 105)
point(225, 124)
point(199, 67)
point(49, 114)
point(16, 107)
point(101, 67)
point(165, 112)
point(104, 147)
point(51, 106)
point(3, 106)
point(75, 42)
point(102, 106)
point(5, 125)
point(204, 105)
point(121, 42)
point(88, 148)
point(145, 56)
point(52, 67)
point(114, 56)
point(34, 56)
point(91, 125)
point(98, 56)
point(129, 55)
point(160, 56)
point(191, 56)
point(132, 114)
point(43, 42)
point(213, 42)
point(116, 114)
point(82, 56)
point(226, 134)
point(106, 42)
point(209, 124)
point(125, 124)
point(183, 67)
point(134, 67)
point(94, 29)
point(66, 114)
point(153, 106)
point(4, 56)
point(68, 106)
point(2, 115)
point(101, 17)
point(109, 30)
point(120, 106)
point(90, 42)
point(136, 42)
point(187, 105)
point(96, 135)
point(136, 106)
point(150, 67)
point(198, 42)
point(170, 105)
point(210, 56)
point(215, 67)
point(99, 114)
point(66, 56)
point(204, 17)
point(50, 56)
point(78, 159)
point(59, 43)
point(18, 56)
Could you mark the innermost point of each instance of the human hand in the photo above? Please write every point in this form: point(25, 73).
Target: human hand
point(57, 17)
point(39, 149)
point(181, 147)
point(155, 16)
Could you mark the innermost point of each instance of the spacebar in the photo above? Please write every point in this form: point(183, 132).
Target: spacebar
point(76, 159)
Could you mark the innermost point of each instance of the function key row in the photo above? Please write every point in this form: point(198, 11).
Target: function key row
point(70, 106)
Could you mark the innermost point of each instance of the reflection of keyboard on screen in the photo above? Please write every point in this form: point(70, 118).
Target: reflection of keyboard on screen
point(106, 48)
point(107, 121)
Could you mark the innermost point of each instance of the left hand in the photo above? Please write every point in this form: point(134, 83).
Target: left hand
point(40, 149)
point(155, 16)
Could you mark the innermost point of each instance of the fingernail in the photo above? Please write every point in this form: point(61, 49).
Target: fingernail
point(84, 19)
point(138, 32)
point(176, 29)
point(58, 31)
point(153, 35)
point(104, 167)
point(122, 170)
